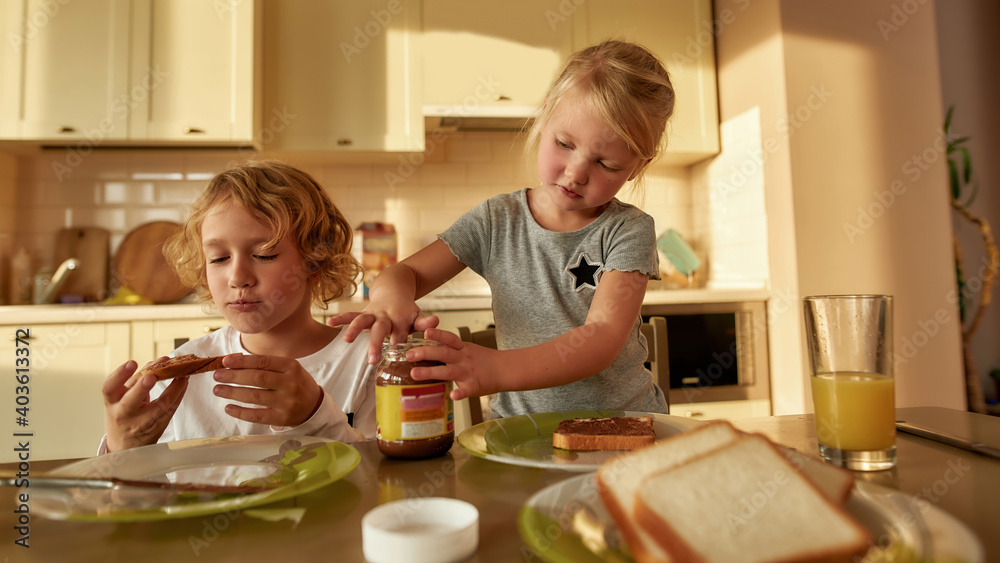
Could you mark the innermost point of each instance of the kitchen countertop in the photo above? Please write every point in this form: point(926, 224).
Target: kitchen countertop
point(89, 312)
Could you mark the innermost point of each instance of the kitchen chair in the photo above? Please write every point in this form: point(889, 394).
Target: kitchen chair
point(655, 331)
point(470, 412)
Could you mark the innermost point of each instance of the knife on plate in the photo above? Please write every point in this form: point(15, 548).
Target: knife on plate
point(51, 481)
point(947, 438)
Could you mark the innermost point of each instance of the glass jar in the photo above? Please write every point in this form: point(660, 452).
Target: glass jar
point(416, 419)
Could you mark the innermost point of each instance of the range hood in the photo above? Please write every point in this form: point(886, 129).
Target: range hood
point(480, 118)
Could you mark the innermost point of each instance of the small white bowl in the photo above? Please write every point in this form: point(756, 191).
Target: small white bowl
point(420, 530)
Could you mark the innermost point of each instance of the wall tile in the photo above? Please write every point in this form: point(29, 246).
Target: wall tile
point(139, 193)
point(139, 216)
point(469, 150)
point(444, 174)
point(178, 193)
point(425, 194)
point(346, 176)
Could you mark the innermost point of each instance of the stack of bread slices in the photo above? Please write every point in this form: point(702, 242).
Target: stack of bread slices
point(717, 494)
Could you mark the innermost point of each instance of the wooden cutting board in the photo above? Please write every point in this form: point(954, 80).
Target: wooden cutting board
point(139, 263)
point(90, 246)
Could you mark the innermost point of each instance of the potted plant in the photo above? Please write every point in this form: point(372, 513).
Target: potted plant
point(963, 193)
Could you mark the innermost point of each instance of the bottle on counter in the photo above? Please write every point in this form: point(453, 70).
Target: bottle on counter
point(21, 280)
point(416, 419)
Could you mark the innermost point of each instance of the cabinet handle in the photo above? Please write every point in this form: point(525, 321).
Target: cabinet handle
point(344, 142)
point(501, 98)
point(193, 131)
point(209, 329)
point(66, 129)
point(693, 414)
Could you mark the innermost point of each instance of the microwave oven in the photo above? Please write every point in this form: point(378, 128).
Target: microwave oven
point(716, 351)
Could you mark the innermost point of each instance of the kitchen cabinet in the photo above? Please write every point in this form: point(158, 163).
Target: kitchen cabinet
point(342, 76)
point(726, 410)
point(64, 75)
point(493, 59)
point(680, 33)
point(194, 74)
point(129, 71)
point(68, 363)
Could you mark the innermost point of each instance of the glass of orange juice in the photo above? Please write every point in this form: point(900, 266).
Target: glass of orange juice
point(850, 353)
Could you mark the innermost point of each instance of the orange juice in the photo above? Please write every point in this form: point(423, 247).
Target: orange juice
point(855, 411)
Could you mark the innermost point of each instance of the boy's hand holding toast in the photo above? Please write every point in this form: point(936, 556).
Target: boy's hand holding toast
point(284, 392)
point(131, 418)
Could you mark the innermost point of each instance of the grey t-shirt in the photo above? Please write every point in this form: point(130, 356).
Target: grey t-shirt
point(543, 283)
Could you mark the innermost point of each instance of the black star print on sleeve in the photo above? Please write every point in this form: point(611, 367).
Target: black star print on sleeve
point(584, 273)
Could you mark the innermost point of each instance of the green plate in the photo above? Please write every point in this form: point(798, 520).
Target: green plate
point(566, 523)
point(291, 465)
point(527, 439)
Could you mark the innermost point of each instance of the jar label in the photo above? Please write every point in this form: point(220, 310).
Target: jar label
point(414, 412)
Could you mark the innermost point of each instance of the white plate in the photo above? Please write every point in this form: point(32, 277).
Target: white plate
point(904, 529)
point(527, 439)
point(292, 465)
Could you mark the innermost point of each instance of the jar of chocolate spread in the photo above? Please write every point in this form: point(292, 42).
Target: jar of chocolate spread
point(415, 418)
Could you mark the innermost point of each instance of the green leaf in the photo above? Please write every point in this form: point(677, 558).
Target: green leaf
point(947, 119)
point(956, 186)
point(972, 196)
point(967, 164)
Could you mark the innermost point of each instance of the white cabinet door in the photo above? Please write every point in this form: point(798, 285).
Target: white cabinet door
point(341, 76)
point(492, 58)
point(679, 32)
point(65, 70)
point(67, 366)
point(193, 74)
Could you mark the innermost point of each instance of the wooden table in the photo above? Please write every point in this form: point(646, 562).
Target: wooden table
point(962, 483)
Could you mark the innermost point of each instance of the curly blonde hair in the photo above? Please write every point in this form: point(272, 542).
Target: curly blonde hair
point(626, 86)
point(291, 203)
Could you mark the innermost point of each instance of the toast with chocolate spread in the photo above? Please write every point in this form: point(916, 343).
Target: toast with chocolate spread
point(612, 433)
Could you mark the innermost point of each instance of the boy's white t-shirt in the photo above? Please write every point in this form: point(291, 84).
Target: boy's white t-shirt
point(340, 368)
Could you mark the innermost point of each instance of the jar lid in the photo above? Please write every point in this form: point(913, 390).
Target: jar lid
point(411, 342)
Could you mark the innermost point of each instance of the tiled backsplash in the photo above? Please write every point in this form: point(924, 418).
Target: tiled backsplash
point(120, 190)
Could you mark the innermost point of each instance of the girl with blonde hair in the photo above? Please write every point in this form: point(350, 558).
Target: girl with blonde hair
point(567, 262)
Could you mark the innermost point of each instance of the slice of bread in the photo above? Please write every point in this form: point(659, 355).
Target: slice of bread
point(179, 366)
point(612, 433)
point(618, 479)
point(744, 502)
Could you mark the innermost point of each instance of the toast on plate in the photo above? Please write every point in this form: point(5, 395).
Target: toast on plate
point(611, 433)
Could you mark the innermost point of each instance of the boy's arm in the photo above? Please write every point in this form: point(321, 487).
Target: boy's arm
point(392, 310)
point(571, 356)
